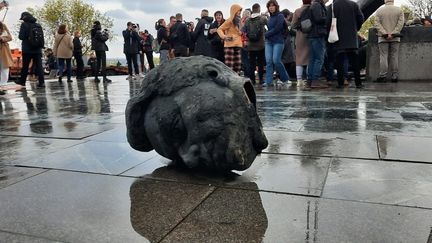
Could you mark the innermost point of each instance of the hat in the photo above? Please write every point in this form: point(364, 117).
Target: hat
point(24, 15)
point(96, 23)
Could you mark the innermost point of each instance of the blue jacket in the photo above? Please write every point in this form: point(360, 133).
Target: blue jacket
point(276, 29)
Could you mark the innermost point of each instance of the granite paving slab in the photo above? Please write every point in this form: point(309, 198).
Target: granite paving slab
point(77, 207)
point(405, 148)
point(280, 173)
point(17, 149)
point(10, 174)
point(395, 183)
point(322, 144)
point(230, 215)
point(92, 156)
point(52, 128)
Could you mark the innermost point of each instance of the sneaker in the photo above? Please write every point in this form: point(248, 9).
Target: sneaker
point(59, 79)
point(129, 77)
point(97, 80)
point(2, 92)
point(107, 80)
point(265, 85)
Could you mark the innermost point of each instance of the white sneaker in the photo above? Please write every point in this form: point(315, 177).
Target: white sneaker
point(129, 77)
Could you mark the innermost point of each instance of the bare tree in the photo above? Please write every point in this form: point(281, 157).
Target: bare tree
point(421, 8)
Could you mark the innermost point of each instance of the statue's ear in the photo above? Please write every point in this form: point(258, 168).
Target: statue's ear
point(135, 114)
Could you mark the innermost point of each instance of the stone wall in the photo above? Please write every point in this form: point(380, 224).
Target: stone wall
point(415, 55)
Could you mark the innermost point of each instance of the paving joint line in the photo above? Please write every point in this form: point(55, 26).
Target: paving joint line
point(193, 210)
point(32, 236)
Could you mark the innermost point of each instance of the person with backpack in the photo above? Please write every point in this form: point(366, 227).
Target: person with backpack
point(301, 42)
point(274, 44)
point(32, 37)
point(147, 49)
point(179, 38)
point(317, 13)
point(254, 29)
point(63, 50)
point(163, 40)
point(216, 42)
point(200, 35)
point(230, 33)
point(98, 43)
point(131, 49)
point(288, 57)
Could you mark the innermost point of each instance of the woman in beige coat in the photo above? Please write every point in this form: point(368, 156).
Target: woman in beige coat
point(302, 44)
point(63, 50)
point(6, 59)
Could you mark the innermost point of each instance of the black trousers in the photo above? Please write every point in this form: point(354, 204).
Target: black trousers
point(79, 64)
point(257, 58)
point(132, 59)
point(291, 70)
point(37, 64)
point(149, 55)
point(353, 58)
point(101, 63)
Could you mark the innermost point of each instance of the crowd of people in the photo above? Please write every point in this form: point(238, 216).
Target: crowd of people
point(279, 45)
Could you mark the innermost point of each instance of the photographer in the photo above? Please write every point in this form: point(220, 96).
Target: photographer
point(180, 38)
point(98, 39)
point(131, 49)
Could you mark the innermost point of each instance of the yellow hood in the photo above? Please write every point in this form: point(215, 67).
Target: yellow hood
point(234, 9)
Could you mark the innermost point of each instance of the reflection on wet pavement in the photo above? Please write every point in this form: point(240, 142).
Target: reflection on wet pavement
point(341, 166)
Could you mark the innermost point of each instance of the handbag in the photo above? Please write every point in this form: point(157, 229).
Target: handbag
point(333, 35)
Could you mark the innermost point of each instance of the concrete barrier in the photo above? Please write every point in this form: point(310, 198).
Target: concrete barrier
point(415, 55)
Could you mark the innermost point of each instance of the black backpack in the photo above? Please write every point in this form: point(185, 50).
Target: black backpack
point(36, 36)
point(255, 31)
point(305, 20)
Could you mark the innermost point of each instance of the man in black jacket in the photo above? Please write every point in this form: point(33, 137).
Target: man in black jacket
point(200, 35)
point(131, 49)
point(29, 51)
point(317, 42)
point(180, 38)
point(98, 39)
point(77, 53)
point(350, 20)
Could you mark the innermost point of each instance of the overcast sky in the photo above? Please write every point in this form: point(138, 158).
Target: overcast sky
point(145, 12)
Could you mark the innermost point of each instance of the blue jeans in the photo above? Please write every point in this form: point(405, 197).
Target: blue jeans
point(273, 54)
point(61, 65)
point(316, 59)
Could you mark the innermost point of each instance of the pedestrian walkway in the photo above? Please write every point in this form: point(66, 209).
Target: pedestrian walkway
point(342, 166)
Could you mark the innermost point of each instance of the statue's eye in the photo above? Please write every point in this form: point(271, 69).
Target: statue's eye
point(212, 73)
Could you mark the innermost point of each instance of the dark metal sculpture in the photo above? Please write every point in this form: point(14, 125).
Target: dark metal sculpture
point(198, 112)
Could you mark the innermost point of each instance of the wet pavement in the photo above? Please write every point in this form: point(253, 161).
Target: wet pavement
point(341, 166)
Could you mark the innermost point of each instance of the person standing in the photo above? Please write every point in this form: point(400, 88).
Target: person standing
point(78, 55)
point(288, 56)
point(163, 40)
point(200, 35)
point(131, 49)
point(98, 40)
point(179, 38)
point(302, 51)
point(31, 34)
point(6, 60)
point(216, 42)
point(147, 49)
point(63, 50)
point(351, 19)
point(274, 44)
point(246, 67)
point(317, 43)
point(230, 33)
point(254, 29)
point(389, 23)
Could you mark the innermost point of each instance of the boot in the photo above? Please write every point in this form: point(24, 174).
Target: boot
point(60, 79)
point(106, 80)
